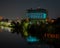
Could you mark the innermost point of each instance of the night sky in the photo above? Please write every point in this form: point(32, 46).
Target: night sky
point(13, 8)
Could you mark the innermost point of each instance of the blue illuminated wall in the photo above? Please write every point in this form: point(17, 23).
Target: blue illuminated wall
point(37, 15)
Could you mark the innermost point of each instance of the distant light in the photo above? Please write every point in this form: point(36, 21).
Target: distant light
point(52, 21)
point(30, 22)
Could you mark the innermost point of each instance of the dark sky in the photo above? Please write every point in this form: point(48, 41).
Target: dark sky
point(14, 8)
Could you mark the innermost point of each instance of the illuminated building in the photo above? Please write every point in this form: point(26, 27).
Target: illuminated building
point(53, 20)
point(37, 14)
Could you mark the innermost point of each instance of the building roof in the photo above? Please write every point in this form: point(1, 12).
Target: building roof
point(36, 10)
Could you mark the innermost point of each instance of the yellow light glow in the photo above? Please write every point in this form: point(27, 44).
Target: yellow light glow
point(25, 33)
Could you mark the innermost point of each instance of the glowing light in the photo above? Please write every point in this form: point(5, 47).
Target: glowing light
point(25, 33)
point(1, 17)
point(56, 36)
point(0, 30)
point(32, 39)
point(6, 28)
point(36, 15)
point(52, 21)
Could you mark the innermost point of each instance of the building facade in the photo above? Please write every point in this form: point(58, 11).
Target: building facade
point(37, 14)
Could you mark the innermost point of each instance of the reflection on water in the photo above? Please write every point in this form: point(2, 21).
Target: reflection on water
point(6, 28)
point(0, 30)
point(9, 29)
point(14, 30)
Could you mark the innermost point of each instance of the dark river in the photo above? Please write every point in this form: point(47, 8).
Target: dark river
point(14, 40)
